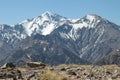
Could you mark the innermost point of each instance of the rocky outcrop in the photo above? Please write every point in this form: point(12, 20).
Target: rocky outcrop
point(36, 64)
point(8, 74)
point(8, 65)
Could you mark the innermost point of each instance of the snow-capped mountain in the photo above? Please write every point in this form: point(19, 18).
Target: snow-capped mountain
point(52, 36)
point(45, 24)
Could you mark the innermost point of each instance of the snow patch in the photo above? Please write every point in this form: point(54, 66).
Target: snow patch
point(90, 17)
point(79, 25)
point(44, 49)
point(48, 29)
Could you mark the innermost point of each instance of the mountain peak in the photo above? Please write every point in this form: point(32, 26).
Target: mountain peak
point(47, 13)
point(52, 16)
point(93, 17)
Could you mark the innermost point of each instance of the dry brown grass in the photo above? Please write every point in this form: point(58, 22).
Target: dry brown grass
point(51, 75)
point(111, 67)
point(62, 66)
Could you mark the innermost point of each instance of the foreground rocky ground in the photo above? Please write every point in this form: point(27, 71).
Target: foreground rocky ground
point(40, 71)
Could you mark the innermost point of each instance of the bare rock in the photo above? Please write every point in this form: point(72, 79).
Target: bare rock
point(71, 72)
point(8, 65)
point(36, 64)
point(63, 69)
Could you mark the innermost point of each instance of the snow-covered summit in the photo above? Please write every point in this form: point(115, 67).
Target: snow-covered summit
point(93, 17)
point(52, 16)
point(89, 21)
point(43, 24)
point(48, 22)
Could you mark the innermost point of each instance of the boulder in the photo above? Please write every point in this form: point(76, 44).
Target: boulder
point(63, 69)
point(71, 72)
point(36, 64)
point(8, 65)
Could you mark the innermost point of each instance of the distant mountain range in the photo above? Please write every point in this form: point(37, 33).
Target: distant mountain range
point(54, 39)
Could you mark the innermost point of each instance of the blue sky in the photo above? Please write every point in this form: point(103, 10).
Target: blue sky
point(15, 11)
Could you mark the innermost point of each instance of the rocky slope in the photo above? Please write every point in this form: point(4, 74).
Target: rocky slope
point(54, 39)
point(40, 71)
point(112, 58)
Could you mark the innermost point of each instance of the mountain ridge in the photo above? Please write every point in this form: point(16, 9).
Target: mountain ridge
point(59, 39)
